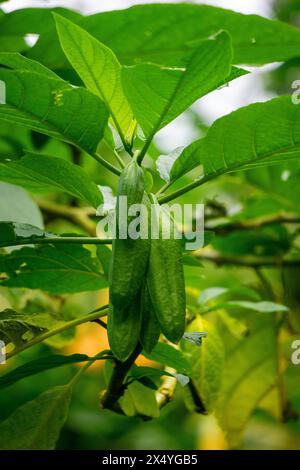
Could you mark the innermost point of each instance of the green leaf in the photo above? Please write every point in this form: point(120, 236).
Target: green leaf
point(139, 400)
point(13, 232)
point(168, 356)
point(17, 206)
point(55, 269)
point(9, 42)
point(17, 61)
point(17, 329)
point(264, 307)
point(226, 293)
point(42, 364)
point(211, 293)
point(280, 183)
point(45, 173)
point(18, 23)
point(268, 241)
point(139, 372)
point(24, 330)
point(38, 421)
point(53, 107)
point(207, 364)
point(250, 372)
point(244, 139)
point(158, 94)
point(33, 20)
point(163, 34)
point(261, 307)
point(104, 255)
point(98, 68)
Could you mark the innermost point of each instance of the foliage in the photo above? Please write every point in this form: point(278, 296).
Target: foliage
point(218, 321)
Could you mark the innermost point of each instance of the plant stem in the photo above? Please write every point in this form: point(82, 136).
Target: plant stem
point(100, 312)
point(57, 241)
point(81, 371)
point(119, 159)
point(105, 163)
point(143, 151)
point(185, 189)
point(166, 391)
point(116, 386)
point(164, 188)
point(204, 179)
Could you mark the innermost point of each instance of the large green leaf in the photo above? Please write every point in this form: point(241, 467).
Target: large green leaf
point(33, 20)
point(159, 94)
point(273, 240)
point(45, 363)
point(250, 372)
point(56, 269)
point(46, 173)
point(167, 355)
point(21, 331)
point(11, 232)
point(162, 33)
point(16, 61)
point(36, 424)
point(245, 139)
point(17, 329)
point(98, 68)
point(207, 362)
point(139, 400)
point(280, 183)
point(17, 206)
point(10, 42)
point(53, 107)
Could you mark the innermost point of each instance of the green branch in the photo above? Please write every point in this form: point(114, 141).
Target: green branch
point(105, 163)
point(225, 226)
point(247, 261)
point(185, 189)
point(116, 386)
point(56, 241)
point(100, 312)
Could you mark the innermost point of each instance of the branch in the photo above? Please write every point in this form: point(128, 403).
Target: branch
point(199, 406)
point(56, 241)
point(100, 312)
point(105, 163)
point(165, 393)
point(116, 386)
point(225, 226)
point(246, 261)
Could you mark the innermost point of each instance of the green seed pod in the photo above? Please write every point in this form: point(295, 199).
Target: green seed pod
point(123, 328)
point(165, 277)
point(129, 256)
point(150, 330)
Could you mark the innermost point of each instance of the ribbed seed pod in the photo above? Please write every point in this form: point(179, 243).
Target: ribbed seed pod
point(165, 278)
point(129, 256)
point(150, 329)
point(123, 328)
